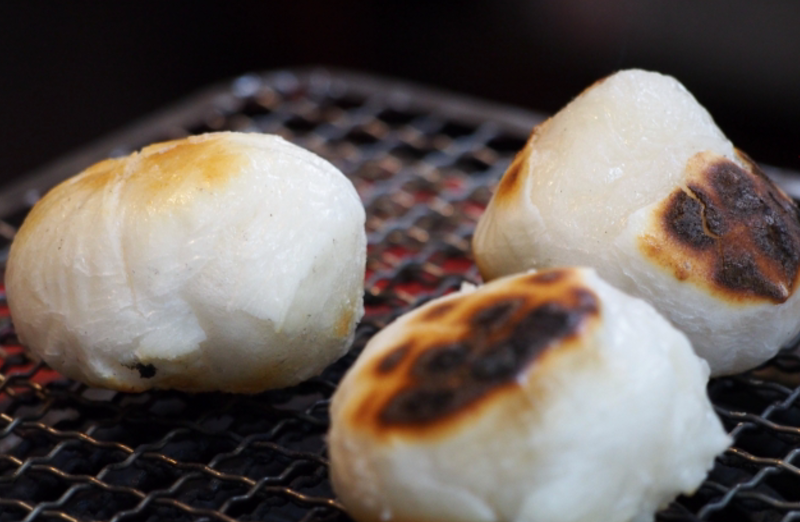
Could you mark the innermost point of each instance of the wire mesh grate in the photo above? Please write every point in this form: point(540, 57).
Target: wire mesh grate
point(424, 164)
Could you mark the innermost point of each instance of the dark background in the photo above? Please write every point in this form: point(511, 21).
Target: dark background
point(73, 71)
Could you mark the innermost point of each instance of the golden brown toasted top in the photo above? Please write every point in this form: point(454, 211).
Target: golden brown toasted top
point(730, 230)
point(465, 352)
point(205, 160)
point(162, 175)
point(208, 160)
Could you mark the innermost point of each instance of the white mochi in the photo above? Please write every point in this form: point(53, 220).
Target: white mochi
point(609, 180)
point(224, 261)
point(597, 411)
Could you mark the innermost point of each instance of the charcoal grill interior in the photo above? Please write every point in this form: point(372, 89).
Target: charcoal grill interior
point(424, 164)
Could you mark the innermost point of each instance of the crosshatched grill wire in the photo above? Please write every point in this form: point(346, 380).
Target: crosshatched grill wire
point(424, 165)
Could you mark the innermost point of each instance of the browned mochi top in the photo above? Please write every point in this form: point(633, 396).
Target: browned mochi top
point(729, 230)
point(164, 175)
point(464, 352)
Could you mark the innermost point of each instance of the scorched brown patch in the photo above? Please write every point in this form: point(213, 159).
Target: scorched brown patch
point(730, 230)
point(482, 347)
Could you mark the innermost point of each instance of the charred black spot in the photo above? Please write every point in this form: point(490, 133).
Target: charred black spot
point(735, 188)
point(768, 222)
point(395, 357)
point(495, 316)
point(538, 330)
point(422, 405)
point(777, 233)
point(684, 220)
point(585, 301)
point(499, 363)
point(713, 217)
point(146, 371)
point(549, 321)
point(776, 238)
point(437, 361)
point(737, 270)
point(445, 379)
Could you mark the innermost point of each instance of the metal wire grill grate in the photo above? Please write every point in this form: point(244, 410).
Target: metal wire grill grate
point(424, 164)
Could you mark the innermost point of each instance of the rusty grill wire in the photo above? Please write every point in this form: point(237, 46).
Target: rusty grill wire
point(424, 164)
